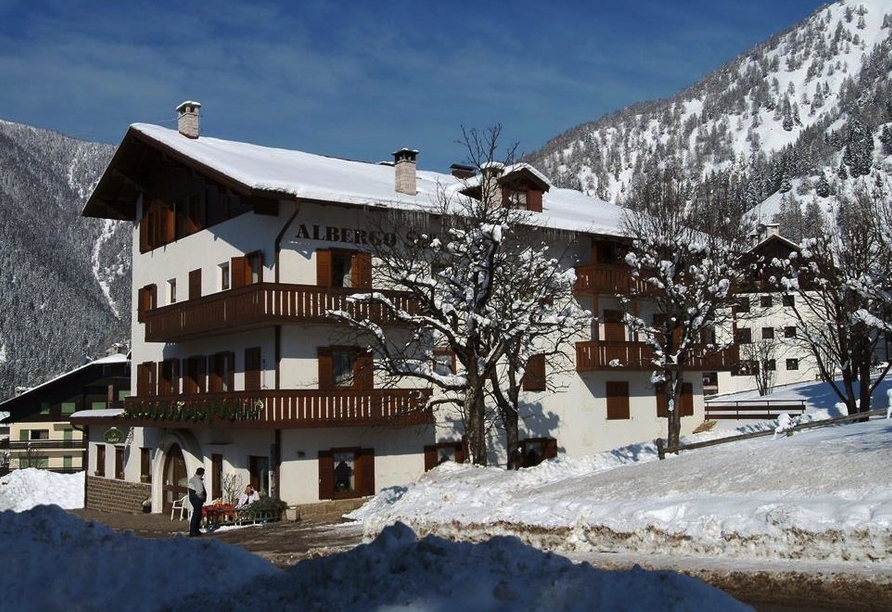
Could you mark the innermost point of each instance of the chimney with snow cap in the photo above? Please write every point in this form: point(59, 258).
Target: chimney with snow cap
point(187, 118)
point(491, 172)
point(404, 171)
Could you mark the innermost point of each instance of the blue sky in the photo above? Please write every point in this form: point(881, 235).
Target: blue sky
point(360, 79)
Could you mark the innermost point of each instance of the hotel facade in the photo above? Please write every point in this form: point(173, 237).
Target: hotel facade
point(239, 253)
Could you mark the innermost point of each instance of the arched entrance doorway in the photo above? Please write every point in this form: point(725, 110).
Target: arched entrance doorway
point(176, 480)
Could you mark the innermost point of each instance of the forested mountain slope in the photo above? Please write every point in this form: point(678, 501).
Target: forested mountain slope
point(64, 279)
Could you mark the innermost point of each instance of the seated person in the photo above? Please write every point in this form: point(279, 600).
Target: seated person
point(249, 497)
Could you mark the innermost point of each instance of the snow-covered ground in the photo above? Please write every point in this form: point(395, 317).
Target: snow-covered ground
point(822, 496)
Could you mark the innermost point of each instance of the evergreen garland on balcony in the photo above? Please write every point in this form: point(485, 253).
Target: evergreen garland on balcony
point(195, 411)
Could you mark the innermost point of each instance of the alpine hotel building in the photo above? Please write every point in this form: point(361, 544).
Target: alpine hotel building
point(238, 253)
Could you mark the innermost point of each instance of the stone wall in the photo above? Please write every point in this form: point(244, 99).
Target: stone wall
point(115, 495)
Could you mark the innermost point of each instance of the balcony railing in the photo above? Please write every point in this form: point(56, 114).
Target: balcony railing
point(282, 409)
point(607, 279)
point(19, 445)
point(261, 304)
point(603, 355)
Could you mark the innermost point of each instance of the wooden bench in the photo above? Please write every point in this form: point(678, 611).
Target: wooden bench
point(754, 410)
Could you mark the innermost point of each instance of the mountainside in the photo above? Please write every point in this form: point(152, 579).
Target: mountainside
point(64, 279)
point(803, 116)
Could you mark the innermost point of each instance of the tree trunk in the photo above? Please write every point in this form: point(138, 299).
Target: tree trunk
point(673, 407)
point(475, 421)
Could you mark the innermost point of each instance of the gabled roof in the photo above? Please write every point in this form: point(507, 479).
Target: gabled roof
point(259, 171)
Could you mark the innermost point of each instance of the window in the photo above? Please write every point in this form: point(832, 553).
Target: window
point(100, 460)
point(246, 270)
point(39, 434)
point(617, 399)
point(172, 291)
point(789, 300)
point(614, 326)
point(534, 377)
point(345, 367)
point(224, 276)
point(145, 465)
point(346, 473)
point(746, 367)
point(686, 400)
point(68, 408)
point(216, 475)
point(744, 335)
point(44, 407)
point(444, 362)
point(119, 462)
point(253, 366)
point(98, 405)
point(765, 301)
point(435, 454)
point(222, 376)
point(67, 462)
point(169, 379)
point(148, 300)
point(743, 304)
point(342, 268)
point(258, 468)
point(534, 451)
point(771, 365)
point(792, 364)
point(790, 331)
point(195, 380)
point(767, 333)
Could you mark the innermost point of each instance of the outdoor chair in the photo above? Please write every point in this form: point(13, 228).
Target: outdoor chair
point(181, 505)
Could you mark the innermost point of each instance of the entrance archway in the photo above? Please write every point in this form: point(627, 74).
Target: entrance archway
point(176, 480)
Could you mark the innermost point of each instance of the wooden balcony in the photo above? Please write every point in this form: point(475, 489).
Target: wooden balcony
point(290, 408)
point(259, 305)
point(606, 279)
point(638, 356)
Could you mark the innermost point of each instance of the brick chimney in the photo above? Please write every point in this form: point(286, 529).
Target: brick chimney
point(187, 118)
point(404, 171)
point(462, 171)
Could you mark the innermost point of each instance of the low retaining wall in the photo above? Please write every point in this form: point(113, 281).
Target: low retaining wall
point(110, 495)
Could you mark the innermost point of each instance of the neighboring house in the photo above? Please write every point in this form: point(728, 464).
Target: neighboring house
point(238, 253)
point(40, 434)
point(767, 332)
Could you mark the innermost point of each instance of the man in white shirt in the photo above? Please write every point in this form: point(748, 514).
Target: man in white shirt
point(198, 494)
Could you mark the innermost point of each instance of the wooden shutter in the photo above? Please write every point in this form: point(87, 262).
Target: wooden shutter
point(534, 200)
point(614, 328)
point(686, 401)
point(325, 373)
point(364, 371)
point(431, 457)
point(326, 474)
point(549, 448)
point(534, 376)
point(240, 269)
point(364, 482)
point(195, 284)
point(361, 270)
point(617, 399)
point(252, 369)
point(323, 268)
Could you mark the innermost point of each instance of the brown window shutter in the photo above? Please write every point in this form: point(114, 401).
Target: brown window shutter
point(202, 379)
point(364, 371)
point(365, 468)
point(141, 302)
point(325, 370)
point(362, 270)
point(241, 272)
point(534, 376)
point(430, 457)
point(326, 474)
point(195, 284)
point(534, 200)
point(614, 327)
point(617, 399)
point(252, 369)
point(660, 391)
point(230, 371)
point(323, 268)
point(687, 399)
point(549, 450)
point(169, 220)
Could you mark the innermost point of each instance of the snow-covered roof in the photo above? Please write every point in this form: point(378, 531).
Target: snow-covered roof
point(116, 358)
point(103, 413)
point(317, 177)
